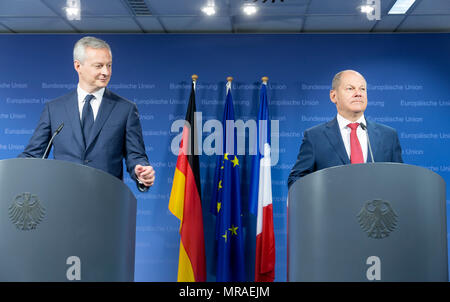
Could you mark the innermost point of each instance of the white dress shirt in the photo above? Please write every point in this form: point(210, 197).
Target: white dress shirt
point(95, 102)
point(345, 132)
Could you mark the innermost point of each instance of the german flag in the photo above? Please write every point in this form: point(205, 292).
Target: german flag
point(185, 202)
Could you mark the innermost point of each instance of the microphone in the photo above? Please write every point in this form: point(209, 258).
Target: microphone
point(51, 140)
point(363, 127)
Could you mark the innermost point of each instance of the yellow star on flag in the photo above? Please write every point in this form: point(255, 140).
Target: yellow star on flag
point(235, 161)
point(219, 205)
point(233, 230)
point(225, 236)
point(220, 184)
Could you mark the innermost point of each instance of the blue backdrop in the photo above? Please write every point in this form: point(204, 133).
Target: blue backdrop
point(407, 75)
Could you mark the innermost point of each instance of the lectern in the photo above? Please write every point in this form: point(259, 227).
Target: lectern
point(61, 221)
point(368, 222)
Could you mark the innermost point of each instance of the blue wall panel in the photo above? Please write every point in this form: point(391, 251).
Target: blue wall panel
point(408, 89)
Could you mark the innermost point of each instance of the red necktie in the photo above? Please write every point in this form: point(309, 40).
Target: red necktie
point(356, 155)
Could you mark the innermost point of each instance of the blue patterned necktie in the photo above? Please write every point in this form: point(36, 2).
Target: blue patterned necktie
point(87, 118)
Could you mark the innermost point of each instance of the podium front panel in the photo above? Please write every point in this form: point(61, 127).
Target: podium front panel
point(368, 222)
point(61, 221)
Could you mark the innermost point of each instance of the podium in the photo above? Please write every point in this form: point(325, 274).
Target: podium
point(61, 221)
point(368, 222)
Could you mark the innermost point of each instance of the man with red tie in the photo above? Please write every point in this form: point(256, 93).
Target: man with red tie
point(344, 139)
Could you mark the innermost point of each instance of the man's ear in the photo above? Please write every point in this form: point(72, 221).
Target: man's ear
point(333, 96)
point(76, 65)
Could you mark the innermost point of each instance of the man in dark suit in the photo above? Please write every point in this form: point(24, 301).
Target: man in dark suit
point(343, 140)
point(100, 128)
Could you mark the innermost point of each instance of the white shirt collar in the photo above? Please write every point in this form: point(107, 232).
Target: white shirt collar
point(95, 102)
point(343, 122)
point(82, 94)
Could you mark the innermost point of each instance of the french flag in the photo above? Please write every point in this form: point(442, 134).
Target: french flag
point(261, 195)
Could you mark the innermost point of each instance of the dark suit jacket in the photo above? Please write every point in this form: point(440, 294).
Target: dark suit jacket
point(116, 134)
point(322, 147)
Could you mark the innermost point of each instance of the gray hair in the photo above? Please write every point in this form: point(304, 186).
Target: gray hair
point(79, 50)
point(337, 78)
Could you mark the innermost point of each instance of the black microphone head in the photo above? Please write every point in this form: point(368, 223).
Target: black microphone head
point(363, 127)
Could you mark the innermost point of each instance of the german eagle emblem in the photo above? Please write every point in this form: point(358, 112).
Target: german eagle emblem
point(26, 212)
point(377, 218)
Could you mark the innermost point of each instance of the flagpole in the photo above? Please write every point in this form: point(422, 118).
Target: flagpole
point(229, 131)
point(229, 80)
point(264, 80)
point(194, 80)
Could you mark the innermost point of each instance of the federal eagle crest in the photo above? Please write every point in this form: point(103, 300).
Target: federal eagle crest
point(26, 212)
point(377, 218)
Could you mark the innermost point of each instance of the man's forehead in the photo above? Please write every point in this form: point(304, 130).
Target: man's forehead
point(99, 56)
point(97, 51)
point(352, 78)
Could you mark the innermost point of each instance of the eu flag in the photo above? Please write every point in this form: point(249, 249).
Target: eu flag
point(226, 203)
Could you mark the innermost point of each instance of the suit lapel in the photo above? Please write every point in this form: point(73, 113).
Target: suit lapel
point(104, 111)
point(73, 115)
point(334, 136)
point(374, 136)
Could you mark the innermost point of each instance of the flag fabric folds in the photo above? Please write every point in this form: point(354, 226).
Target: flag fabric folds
point(226, 204)
point(185, 203)
point(261, 195)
